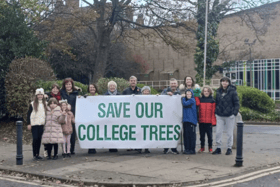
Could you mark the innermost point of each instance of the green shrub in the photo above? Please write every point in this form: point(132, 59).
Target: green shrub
point(255, 99)
point(253, 115)
point(103, 84)
point(20, 83)
point(153, 91)
point(47, 85)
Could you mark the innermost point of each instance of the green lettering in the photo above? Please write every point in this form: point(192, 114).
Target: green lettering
point(153, 132)
point(177, 129)
point(101, 115)
point(161, 132)
point(110, 110)
point(98, 138)
point(125, 109)
point(131, 132)
point(141, 110)
point(114, 132)
point(118, 110)
point(145, 131)
point(82, 138)
point(158, 108)
point(169, 132)
point(93, 132)
point(105, 130)
point(147, 108)
point(125, 133)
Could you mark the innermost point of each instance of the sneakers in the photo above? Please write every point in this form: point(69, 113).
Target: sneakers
point(147, 151)
point(175, 152)
point(192, 152)
point(91, 151)
point(217, 151)
point(187, 152)
point(201, 150)
point(63, 155)
point(165, 151)
point(229, 152)
point(210, 150)
point(55, 157)
point(69, 155)
point(39, 158)
point(45, 153)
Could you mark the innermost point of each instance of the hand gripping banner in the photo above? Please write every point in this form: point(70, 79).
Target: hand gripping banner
point(140, 121)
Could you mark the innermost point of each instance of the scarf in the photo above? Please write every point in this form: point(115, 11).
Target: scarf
point(114, 93)
point(57, 96)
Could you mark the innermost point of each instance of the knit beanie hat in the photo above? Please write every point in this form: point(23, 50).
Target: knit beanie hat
point(39, 91)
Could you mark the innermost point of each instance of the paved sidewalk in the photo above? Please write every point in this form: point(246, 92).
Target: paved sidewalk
point(126, 168)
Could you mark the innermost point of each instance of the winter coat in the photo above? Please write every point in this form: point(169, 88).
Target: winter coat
point(53, 131)
point(129, 91)
point(36, 118)
point(107, 93)
point(71, 99)
point(228, 104)
point(164, 92)
point(207, 108)
point(67, 125)
point(189, 110)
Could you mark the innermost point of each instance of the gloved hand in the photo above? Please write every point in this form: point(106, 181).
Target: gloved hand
point(197, 92)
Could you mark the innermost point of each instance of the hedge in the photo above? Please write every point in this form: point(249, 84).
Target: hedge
point(153, 91)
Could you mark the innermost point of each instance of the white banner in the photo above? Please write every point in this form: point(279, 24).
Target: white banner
point(140, 121)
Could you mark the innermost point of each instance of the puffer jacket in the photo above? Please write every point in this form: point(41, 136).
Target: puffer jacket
point(207, 108)
point(228, 104)
point(53, 131)
point(189, 110)
point(67, 125)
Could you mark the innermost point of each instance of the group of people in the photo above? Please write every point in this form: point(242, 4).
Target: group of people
point(51, 116)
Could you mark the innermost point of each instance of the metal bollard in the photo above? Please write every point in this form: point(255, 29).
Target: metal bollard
point(239, 148)
point(19, 156)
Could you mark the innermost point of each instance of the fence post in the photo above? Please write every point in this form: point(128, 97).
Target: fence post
point(239, 148)
point(19, 157)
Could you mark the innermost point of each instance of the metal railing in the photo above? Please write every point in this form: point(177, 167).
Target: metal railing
point(159, 84)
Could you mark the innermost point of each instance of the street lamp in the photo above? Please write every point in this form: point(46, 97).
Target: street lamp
point(205, 41)
point(246, 41)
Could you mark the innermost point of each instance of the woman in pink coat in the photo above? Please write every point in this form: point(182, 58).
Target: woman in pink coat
point(53, 132)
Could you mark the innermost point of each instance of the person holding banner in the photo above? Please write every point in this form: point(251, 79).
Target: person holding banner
point(92, 91)
point(189, 122)
point(189, 82)
point(132, 89)
point(146, 90)
point(70, 93)
point(171, 90)
point(112, 90)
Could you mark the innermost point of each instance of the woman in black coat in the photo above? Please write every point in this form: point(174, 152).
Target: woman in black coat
point(70, 93)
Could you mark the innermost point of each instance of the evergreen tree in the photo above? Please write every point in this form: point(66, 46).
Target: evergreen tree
point(17, 40)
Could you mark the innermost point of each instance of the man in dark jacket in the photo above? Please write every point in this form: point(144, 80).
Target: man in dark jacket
point(227, 106)
point(132, 89)
point(171, 90)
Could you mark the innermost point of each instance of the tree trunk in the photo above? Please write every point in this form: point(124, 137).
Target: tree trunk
point(101, 56)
